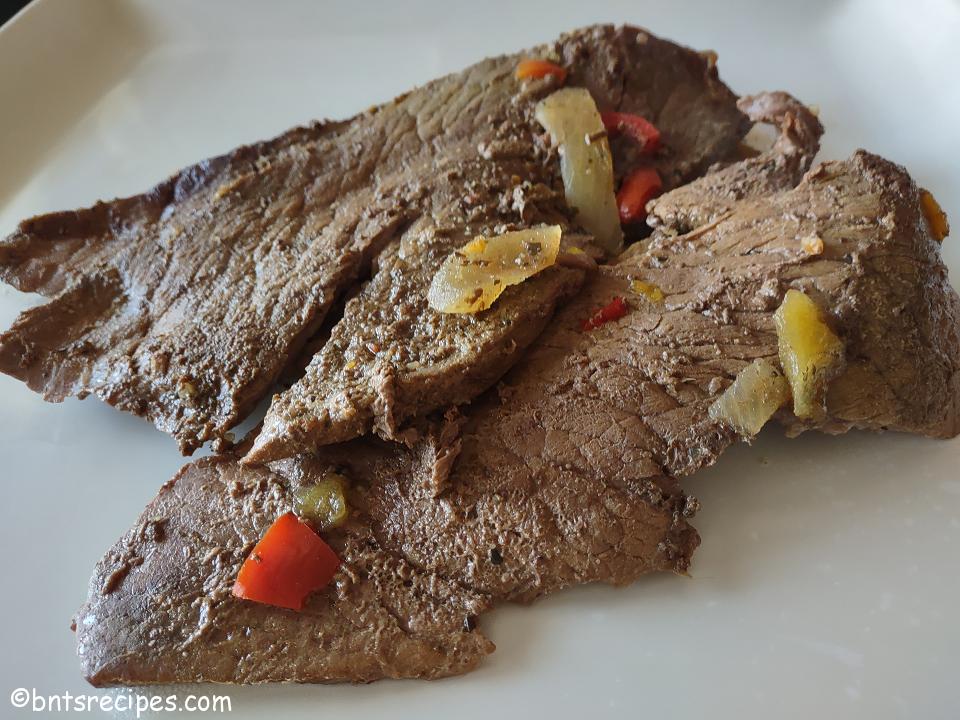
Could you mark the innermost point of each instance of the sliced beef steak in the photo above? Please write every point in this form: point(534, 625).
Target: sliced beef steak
point(566, 472)
point(185, 303)
point(392, 357)
point(648, 379)
point(160, 607)
point(161, 610)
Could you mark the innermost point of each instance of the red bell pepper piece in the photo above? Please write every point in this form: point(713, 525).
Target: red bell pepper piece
point(614, 310)
point(535, 69)
point(289, 563)
point(634, 127)
point(638, 188)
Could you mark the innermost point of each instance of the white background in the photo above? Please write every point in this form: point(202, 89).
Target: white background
point(827, 585)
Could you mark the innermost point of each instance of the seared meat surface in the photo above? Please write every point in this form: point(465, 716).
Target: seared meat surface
point(184, 304)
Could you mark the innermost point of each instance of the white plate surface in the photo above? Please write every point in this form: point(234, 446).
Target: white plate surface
point(828, 582)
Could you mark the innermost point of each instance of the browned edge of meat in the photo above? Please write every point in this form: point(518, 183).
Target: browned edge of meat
point(185, 303)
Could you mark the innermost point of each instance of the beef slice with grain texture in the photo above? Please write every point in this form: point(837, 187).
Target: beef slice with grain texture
point(392, 357)
point(184, 304)
point(626, 405)
point(160, 608)
point(565, 473)
point(779, 168)
point(879, 280)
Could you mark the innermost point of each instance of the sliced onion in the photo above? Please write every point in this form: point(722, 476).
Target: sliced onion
point(473, 277)
point(756, 394)
point(573, 121)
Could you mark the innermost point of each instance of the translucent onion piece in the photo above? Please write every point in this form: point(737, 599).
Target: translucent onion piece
point(810, 353)
point(472, 278)
point(574, 124)
point(757, 393)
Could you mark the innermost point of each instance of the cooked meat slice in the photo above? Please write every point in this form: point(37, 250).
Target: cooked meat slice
point(347, 389)
point(565, 473)
point(392, 357)
point(182, 304)
point(526, 509)
point(160, 608)
point(649, 378)
point(185, 303)
point(626, 403)
point(780, 168)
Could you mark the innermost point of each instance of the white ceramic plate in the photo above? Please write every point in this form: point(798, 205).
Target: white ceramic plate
point(828, 582)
